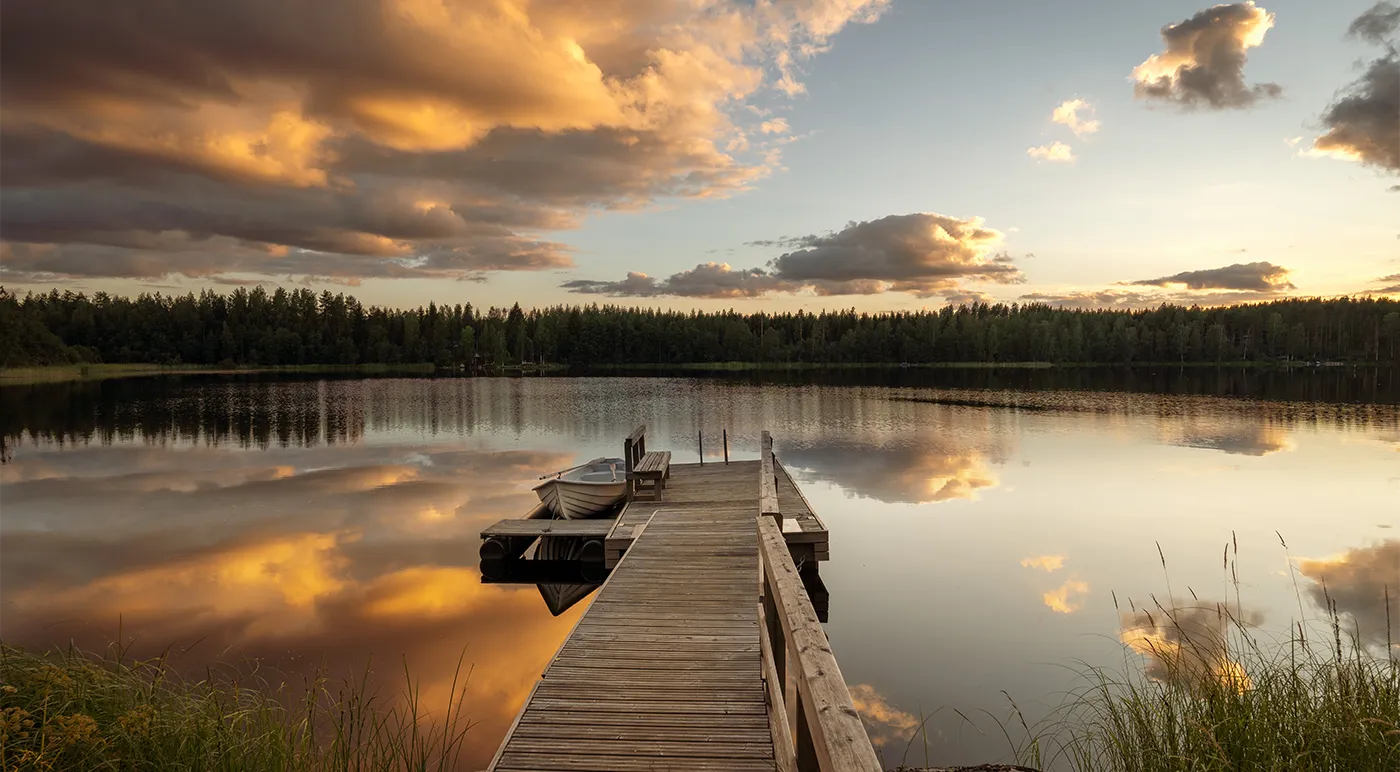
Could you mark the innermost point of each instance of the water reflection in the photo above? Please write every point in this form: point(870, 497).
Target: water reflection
point(1241, 437)
point(897, 475)
point(323, 557)
point(309, 521)
point(888, 726)
point(1189, 642)
point(1364, 585)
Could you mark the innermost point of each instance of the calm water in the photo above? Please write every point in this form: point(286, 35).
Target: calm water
point(980, 530)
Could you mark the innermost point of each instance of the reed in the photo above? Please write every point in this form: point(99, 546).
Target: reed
point(67, 709)
point(1221, 694)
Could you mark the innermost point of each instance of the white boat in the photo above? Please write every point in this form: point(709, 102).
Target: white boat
point(587, 490)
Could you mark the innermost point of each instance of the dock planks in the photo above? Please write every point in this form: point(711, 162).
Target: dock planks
point(663, 671)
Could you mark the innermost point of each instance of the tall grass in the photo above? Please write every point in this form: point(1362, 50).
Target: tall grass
point(1220, 695)
point(67, 709)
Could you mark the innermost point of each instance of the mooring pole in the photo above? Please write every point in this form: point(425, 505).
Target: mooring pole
point(700, 440)
point(726, 447)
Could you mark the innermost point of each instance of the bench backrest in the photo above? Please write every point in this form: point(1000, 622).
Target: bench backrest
point(634, 447)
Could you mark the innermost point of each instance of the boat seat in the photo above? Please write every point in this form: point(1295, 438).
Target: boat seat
point(650, 473)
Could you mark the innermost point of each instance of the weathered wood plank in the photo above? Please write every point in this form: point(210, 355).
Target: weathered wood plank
point(838, 737)
point(517, 527)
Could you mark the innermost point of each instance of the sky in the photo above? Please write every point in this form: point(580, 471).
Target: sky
point(710, 154)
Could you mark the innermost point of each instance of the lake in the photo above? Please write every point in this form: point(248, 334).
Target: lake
point(990, 531)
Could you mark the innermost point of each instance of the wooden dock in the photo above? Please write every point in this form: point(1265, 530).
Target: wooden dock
point(701, 650)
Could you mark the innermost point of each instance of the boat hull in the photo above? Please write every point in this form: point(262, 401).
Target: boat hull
point(560, 597)
point(575, 500)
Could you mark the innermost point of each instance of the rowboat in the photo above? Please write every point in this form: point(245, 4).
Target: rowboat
point(587, 490)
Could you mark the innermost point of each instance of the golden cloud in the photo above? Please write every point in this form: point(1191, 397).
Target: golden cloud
point(123, 138)
point(1056, 151)
point(1046, 563)
point(1067, 114)
point(1203, 64)
point(1068, 597)
point(923, 254)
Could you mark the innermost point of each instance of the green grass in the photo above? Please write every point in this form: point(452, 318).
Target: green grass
point(1294, 710)
point(67, 710)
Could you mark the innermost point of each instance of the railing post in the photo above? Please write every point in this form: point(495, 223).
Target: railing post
point(700, 441)
point(726, 446)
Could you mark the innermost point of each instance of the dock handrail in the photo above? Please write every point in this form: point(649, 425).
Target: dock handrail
point(813, 720)
point(768, 482)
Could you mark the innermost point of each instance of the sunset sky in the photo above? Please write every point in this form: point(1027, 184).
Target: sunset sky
point(753, 154)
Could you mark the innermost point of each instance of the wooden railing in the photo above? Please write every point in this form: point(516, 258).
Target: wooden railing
point(814, 723)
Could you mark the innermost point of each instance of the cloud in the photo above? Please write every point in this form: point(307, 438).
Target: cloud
point(707, 280)
point(775, 126)
point(1188, 642)
point(1068, 114)
point(884, 722)
point(1377, 23)
point(1203, 64)
point(1363, 122)
point(1046, 563)
point(1128, 300)
point(1358, 582)
point(922, 253)
point(408, 138)
point(1068, 597)
point(1248, 277)
point(967, 297)
point(1055, 151)
point(1391, 289)
point(1094, 299)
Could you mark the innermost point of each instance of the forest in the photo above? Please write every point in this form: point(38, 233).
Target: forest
point(298, 327)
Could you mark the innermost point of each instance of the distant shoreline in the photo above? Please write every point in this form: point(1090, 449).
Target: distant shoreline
point(27, 376)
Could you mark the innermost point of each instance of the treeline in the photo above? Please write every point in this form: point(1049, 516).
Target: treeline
point(281, 327)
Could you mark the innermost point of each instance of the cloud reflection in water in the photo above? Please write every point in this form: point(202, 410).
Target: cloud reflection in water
point(322, 558)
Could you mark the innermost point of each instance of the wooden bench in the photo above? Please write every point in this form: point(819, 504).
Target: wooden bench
point(645, 471)
point(651, 473)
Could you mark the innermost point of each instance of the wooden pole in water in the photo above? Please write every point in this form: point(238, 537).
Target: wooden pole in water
point(700, 440)
point(726, 447)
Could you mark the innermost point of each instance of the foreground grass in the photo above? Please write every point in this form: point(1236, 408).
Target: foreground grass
point(24, 376)
point(1220, 698)
point(66, 709)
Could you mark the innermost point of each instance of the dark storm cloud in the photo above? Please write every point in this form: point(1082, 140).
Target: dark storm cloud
point(1203, 64)
point(922, 253)
point(1248, 277)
